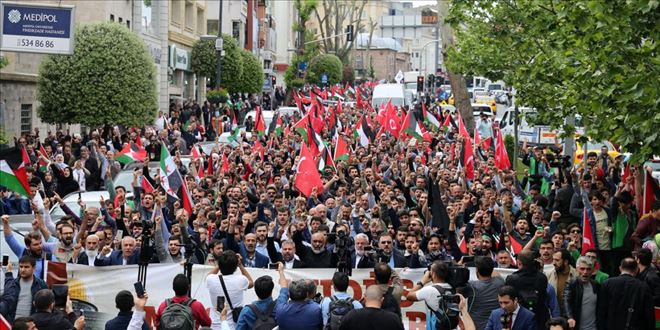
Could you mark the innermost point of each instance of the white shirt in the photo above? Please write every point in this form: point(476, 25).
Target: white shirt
point(236, 285)
point(515, 314)
point(289, 264)
point(430, 295)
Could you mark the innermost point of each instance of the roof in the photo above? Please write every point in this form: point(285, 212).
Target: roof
point(377, 42)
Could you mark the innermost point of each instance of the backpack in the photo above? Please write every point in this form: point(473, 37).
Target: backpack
point(390, 304)
point(338, 308)
point(529, 298)
point(446, 317)
point(177, 316)
point(263, 320)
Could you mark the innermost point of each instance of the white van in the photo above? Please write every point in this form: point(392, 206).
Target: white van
point(394, 92)
point(534, 135)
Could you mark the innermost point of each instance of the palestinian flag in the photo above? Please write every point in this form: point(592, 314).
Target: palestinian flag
point(430, 119)
point(651, 193)
point(276, 125)
point(170, 178)
point(25, 157)
point(259, 148)
point(187, 200)
point(325, 160)
point(619, 230)
point(131, 153)
point(43, 165)
point(225, 164)
point(363, 132)
point(341, 149)
point(303, 126)
point(412, 127)
point(14, 180)
point(259, 123)
point(146, 185)
point(194, 153)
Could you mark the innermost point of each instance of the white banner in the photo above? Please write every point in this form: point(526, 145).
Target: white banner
point(99, 286)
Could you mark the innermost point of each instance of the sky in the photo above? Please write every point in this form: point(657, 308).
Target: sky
point(419, 3)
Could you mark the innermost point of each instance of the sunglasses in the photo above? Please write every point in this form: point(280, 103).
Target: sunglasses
point(575, 232)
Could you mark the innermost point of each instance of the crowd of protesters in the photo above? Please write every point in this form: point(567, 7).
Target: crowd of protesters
point(394, 202)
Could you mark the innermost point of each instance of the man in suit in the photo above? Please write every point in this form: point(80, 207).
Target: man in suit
point(359, 257)
point(625, 302)
point(510, 315)
point(396, 258)
point(129, 254)
point(248, 250)
point(287, 254)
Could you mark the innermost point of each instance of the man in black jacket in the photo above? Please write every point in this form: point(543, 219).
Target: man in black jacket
point(45, 318)
point(318, 255)
point(649, 274)
point(625, 302)
point(581, 296)
point(531, 285)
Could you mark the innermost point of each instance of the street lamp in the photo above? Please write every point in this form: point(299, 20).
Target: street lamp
point(422, 52)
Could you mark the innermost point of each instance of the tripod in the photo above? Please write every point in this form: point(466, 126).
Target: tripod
point(146, 253)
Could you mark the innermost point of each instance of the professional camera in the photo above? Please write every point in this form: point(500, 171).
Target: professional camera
point(342, 244)
point(147, 248)
point(448, 311)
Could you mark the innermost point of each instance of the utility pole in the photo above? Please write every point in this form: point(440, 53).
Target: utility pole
point(218, 48)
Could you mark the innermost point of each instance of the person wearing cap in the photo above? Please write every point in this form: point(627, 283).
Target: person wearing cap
point(125, 302)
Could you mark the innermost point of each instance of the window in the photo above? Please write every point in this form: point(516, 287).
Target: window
point(147, 21)
point(190, 16)
point(112, 18)
point(128, 24)
point(120, 20)
point(176, 11)
point(26, 118)
point(212, 27)
point(266, 64)
point(236, 30)
point(200, 21)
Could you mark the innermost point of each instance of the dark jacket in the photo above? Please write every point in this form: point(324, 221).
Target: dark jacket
point(620, 294)
point(524, 320)
point(9, 297)
point(325, 259)
point(528, 279)
point(650, 276)
point(573, 293)
point(14, 286)
point(260, 261)
point(116, 259)
point(121, 322)
point(51, 321)
point(277, 256)
point(365, 261)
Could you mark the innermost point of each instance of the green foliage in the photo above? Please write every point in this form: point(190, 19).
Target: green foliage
point(203, 59)
point(598, 59)
point(3, 62)
point(216, 96)
point(304, 8)
point(252, 78)
point(509, 145)
point(109, 79)
point(204, 62)
point(328, 64)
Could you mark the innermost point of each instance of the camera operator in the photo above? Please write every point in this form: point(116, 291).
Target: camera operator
point(437, 297)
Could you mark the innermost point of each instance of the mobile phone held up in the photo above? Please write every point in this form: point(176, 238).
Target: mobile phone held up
point(139, 289)
point(272, 265)
point(5, 260)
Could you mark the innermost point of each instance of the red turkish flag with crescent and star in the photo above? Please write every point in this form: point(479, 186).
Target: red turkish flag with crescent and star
point(307, 175)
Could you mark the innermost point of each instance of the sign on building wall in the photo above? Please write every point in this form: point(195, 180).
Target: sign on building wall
point(36, 28)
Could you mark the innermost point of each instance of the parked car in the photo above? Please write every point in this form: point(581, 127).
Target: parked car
point(91, 198)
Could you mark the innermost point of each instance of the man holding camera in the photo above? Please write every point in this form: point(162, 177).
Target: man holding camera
point(437, 297)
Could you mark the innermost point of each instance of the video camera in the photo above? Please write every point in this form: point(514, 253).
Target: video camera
point(377, 254)
point(561, 162)
point(147, 248)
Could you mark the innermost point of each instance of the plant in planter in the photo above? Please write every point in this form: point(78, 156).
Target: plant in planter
point(217, 96)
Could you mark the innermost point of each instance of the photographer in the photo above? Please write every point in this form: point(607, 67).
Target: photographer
point(437, 297)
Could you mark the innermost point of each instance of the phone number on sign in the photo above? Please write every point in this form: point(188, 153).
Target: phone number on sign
point(35, 43)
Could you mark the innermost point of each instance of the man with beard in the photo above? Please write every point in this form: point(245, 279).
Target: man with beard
point(519, 236)
point(33, 246)
point(316, 256)
point(215, 250)
point(434, 249)
point(393, 257)
point(286, 255)
point(247, 249)
point(561, 274)
point(261, 231)
point(64, 247)
point(362, 259)
point(87, 256)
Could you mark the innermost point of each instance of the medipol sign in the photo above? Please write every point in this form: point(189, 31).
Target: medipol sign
point(36, 28)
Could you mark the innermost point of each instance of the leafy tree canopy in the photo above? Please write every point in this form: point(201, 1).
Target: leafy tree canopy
point(327, 63)
point(109, 79)
point(204, 59)
point(252, 79)
point(598, 59)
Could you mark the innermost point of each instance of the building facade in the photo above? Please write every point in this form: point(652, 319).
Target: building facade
point(187, 23)
point(18, 80)
point(284, 13)
point(383, 57)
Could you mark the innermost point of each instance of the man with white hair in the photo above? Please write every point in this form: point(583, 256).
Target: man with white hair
point(90, 252)
point(581, 297)
point(362, 258)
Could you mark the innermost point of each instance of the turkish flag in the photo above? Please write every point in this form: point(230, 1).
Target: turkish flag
point(587, 236)
point(392, 121)
point(307, 175)
point(468, 155)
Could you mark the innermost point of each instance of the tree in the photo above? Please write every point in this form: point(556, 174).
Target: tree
point(109, 79)
point(204, 62)
point(252, 77)
point(336, 16)
point(305, 52)
point(347, 74)
point(597, 59)
point(325, 64)
point(3, 62)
